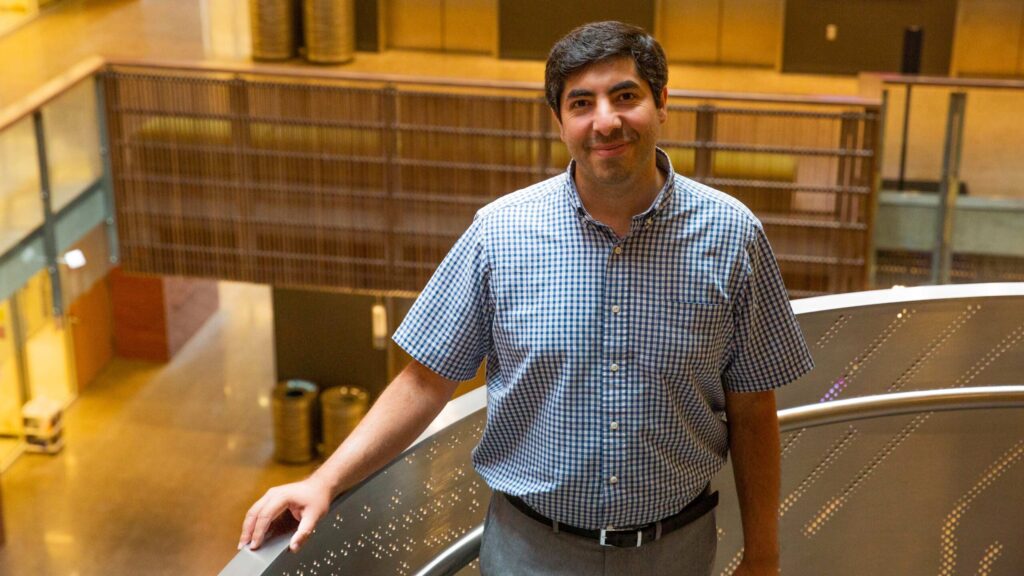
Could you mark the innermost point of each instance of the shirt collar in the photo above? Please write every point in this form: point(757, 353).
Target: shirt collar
point(657, 208)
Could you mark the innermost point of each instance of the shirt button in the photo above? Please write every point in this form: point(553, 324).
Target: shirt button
point(614, 367)
point(615, 309)
point(614, 426)
point(618, 250)
point(613, 480)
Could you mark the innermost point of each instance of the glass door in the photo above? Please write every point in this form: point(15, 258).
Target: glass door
point(11, 389)
point(46, 343)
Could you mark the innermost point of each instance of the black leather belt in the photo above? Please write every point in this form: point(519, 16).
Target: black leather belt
point(633, 537)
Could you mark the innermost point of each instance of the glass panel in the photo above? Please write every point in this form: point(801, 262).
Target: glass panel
point(72, 143)
point(46, 349)
point(21, 204)
point(10, 377)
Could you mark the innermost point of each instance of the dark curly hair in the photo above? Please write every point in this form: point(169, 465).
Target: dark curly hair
point(599, 41)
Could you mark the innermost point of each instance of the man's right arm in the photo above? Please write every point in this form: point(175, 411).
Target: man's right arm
point(403, 411)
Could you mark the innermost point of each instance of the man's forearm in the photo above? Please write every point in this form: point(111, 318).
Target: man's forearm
point(404, 410)
point(755, 452)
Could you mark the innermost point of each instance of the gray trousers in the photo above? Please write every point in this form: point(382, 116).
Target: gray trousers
point(514, 544)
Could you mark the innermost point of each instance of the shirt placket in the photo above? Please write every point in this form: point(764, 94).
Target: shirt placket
point(616, 371)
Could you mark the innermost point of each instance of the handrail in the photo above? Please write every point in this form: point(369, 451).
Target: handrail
point(49, 91)
point(900, 403)
point(327, 74)
point(86, 68)
point(907, 295)
point(943, 81)
point(465, 549)
point(457, 556)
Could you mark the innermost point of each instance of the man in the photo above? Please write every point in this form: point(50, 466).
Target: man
point(635, 325)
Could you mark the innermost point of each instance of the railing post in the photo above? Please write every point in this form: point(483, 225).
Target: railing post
point(906, 133)
point(107, 177)
point(392, 175)
point(942, 256)
point(878, 133)
point(49, 220)
point(703, 160)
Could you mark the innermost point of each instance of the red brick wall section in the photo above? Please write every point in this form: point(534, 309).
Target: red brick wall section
point(154, 316)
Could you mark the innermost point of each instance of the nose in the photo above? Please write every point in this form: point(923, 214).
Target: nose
point(606, 118)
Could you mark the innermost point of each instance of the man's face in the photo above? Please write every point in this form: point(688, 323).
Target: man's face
point(610, 122)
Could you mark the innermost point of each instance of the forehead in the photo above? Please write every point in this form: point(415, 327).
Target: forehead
point(603, 75)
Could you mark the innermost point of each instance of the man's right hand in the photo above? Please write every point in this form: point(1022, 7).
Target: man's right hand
point(307, 501)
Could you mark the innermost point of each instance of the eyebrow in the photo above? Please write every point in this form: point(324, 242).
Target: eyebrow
point(583, 92)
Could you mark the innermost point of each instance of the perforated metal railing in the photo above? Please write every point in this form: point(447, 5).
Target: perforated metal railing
point(363, 183)
point(911, 490)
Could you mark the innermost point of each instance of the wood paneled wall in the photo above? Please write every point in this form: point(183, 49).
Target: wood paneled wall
point(869, 35)
point(721, 32)
point(92, 332)
point(989, 38)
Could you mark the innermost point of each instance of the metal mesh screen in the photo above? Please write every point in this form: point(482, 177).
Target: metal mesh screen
point(365, 185)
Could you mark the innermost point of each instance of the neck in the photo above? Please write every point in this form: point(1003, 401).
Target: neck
point(616, 204)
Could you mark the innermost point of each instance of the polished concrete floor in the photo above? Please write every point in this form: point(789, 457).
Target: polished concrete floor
point(213, 31)
point(160, 463)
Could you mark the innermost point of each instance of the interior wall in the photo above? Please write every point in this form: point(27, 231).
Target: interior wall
point(721, 32)
point(869, 35)
point(989, 38)
point(468, 26)
point(326, 338)
point(528, 28)
point(368, 25)
point(92, 331)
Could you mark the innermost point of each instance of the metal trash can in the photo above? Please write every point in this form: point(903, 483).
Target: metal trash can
point(273, 24)
point(295, 421)
point(330, 30)
point(342, 408)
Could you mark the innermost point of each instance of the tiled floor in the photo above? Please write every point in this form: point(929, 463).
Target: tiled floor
point(160, 462)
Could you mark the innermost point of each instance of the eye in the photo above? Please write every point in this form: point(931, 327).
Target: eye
point(575, 104)
point(627, 96)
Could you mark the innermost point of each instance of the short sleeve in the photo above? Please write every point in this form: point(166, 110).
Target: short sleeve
point(448, 327)
point(768, 348)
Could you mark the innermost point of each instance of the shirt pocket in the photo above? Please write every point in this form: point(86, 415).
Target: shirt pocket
point(689, 340)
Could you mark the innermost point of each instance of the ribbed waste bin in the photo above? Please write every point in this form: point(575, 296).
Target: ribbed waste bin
point(273, 24)
point(330, 30)
point(295, 421)
point(342, 409)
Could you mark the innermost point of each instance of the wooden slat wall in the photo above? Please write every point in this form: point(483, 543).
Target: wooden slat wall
point(364, 186)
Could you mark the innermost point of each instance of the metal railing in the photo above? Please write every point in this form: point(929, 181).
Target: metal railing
point(467, 548)
point(971, 162)
point(362, 182)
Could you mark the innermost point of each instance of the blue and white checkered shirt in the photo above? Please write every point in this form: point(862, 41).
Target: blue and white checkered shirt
point(608, 358)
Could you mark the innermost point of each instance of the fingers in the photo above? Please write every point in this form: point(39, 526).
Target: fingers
point(304, 530)
point(250, 522)
point(259, 517)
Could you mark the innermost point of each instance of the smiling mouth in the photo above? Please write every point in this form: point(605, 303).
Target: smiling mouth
point(609, 149)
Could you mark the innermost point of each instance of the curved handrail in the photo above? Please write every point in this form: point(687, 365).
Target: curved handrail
point(839, 302)
point(464, 550)
point(900, 403)
point(456, 556)
point(286, 71)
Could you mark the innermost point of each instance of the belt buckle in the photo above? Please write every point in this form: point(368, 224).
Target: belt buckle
point(605, 531)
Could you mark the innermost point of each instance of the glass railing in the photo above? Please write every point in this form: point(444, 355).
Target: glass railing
point(54, 181)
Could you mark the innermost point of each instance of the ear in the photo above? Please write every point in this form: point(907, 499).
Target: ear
point(561, 127)
point(663, 109)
